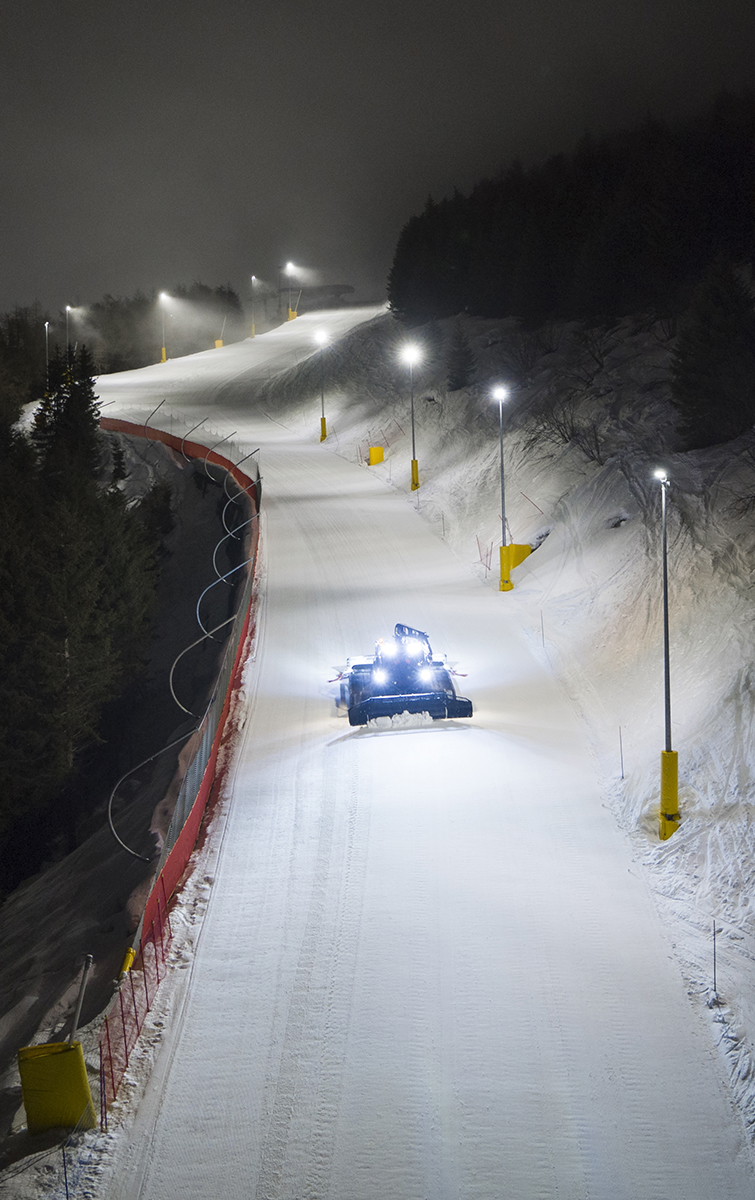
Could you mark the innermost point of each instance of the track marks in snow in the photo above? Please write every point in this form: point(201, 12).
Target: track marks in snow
point(314, 1007)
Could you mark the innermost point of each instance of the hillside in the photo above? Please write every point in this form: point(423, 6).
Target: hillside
point(588, 420)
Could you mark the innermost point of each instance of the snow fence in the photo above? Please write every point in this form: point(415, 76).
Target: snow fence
point(146, 963)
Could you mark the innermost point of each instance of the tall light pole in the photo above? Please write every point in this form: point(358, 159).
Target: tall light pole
point(253, 281)
point(163, 302)
point(321, 338)
point(47, 356)
point(68, 339)
point(500, 394)
point(411, 354)
point(290, 270)
point(669, 815)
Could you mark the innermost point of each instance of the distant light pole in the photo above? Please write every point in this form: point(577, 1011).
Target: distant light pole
point(253, 281)
point(163, 301)
point(669, 815)
point(321, 338)
point(68, 313)
point(500, 394)
point(290, 270)
point(47, 355)
point(411, 354)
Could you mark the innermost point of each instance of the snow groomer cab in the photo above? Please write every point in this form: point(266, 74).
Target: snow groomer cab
point(401, 677)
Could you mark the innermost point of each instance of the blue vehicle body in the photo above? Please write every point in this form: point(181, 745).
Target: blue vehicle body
point(402, 676)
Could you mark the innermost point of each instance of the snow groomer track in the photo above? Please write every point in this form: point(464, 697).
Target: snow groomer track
point(427, 969)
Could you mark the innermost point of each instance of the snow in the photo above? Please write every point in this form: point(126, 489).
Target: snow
point(452, 959)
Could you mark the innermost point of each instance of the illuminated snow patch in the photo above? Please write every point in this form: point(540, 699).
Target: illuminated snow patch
point(404, 720)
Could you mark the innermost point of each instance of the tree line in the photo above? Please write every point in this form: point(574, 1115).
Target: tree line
point(127, 332)
point(622, 225)
point(656, 220)
point(78, 574)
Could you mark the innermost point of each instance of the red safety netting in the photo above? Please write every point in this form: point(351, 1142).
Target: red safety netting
point(138, 986)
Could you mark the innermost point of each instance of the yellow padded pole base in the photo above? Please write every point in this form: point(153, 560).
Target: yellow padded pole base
point(55, 1087)
point(163, 356)
point(292, 315)
point(669, 814)
point(415, 474)
point(376, 455)
point(323, 429)
point(218, 343)
point(252, 333)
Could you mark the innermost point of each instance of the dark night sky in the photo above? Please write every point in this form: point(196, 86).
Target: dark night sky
point(147, 144)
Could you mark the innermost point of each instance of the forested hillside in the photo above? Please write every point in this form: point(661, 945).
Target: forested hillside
point(77, 580)
point(629, 223)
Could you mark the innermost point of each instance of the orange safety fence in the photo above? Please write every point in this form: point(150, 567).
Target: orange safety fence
point(139, 984)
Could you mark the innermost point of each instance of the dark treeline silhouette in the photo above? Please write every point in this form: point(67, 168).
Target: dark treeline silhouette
point(121, 333)
point(623, 225)
point(126, 332)
point(78, 572)
point(22, 360)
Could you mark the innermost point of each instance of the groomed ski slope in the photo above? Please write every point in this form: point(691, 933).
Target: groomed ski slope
point(428, 968)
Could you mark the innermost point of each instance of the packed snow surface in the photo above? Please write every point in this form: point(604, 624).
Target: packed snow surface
point(431, 965)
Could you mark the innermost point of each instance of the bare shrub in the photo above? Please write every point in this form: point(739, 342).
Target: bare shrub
point(559, 424)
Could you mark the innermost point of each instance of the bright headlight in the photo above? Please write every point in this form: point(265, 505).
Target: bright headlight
point(379, 676)
point(412, 646)
point(425, 674)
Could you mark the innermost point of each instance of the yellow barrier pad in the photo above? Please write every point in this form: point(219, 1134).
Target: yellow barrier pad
point(55, 1086)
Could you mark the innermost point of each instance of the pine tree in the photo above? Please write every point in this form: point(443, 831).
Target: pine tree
point(713, 367)
point(77, 586)
point(66, 424)
point(460, 361)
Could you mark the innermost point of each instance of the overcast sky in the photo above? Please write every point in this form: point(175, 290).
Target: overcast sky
point(148, 144)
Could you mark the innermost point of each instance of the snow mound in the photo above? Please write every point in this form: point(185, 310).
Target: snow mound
point(404, 720)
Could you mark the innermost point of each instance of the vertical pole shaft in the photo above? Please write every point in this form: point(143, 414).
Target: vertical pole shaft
point(82, 987)
point(715, 981)
point(666, 664)
point(503, 494)
point(411, 390)
point(322, 385)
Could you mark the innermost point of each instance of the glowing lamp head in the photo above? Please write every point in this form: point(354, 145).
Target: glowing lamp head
point(289, 268)
point(500, 394)
point(164, 296)
point(425, 674)
point(660, 475)
point(380, 676)
point(411, 355)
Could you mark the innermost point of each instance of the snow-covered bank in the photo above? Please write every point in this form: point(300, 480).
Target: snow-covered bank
point(429, 964)
point(588, 420)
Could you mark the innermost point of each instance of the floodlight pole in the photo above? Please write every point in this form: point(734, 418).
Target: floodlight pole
point(669, 814)
point(253, 279)
point(47, 355)
point(164, 355)
point(415, 464)
point(507, 562)
point(323, 425)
